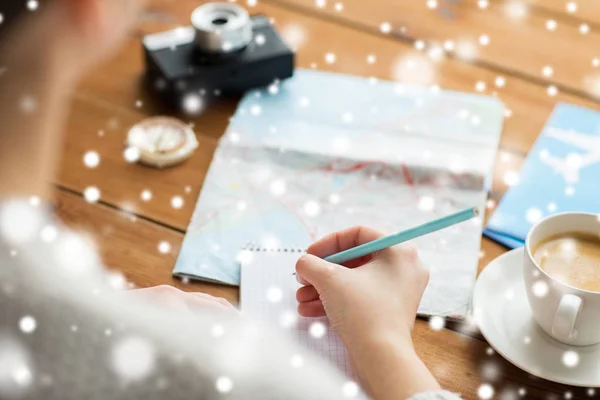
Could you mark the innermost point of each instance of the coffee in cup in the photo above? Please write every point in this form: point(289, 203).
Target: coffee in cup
point(572, 258)
point(562, 276)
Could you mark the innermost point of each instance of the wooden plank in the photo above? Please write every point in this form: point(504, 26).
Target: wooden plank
point(587, 11)
point(518, 46)
point(130, 245)
point(97, 127)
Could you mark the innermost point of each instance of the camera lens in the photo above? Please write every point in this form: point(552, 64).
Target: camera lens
point(221, 27)
point(219, 21)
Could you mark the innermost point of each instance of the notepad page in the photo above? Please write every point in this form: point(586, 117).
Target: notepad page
point(268, 293)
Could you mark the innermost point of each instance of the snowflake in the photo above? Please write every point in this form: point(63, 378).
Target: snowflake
point(551, 207)
point(584, 29)
point(511, 178)
point(241, 205)
point(192, 103)
point(177, 202)
point(1, 18)
point(91, 159)
point(294, 35)
point(570, 359)
point(569, 191)
point(146, 195)
point(251, 3)
point(591, 392)
point(217, 330)
point(448, 45)
point(259, 39)
point(32, 5)
point(255, 110)
point(347, 117)
point(312, 208)
point(334, 198)
point(426, 203)
point(547, 71)
point(27, 324)
point(515, 9)
point(244, 257)
point(330, 58)
point(509, 294)
point(304, 102)
point(288, 319)
point(568, 395)
point(385, 27)
point(49, 233)
point(419, 44)
point(28, 105)
point(482, 4)
point(224, 384)
point(551, 25)
point(107, 332)
point(540, 288)
point(533, 215)
point(489, 351)
point(317, 330)
point(522, 392)
point(571, 7)
point(19, 221)
point(552, 90)
point(437, 323)
point(350, 389)
point(296, 361)
point(595, 62)
point(164, 247)
point(339, 7)
point(132, 154)
point(273, 89)
point(133, 358)
point(22, 375)
point(274, 294)
point(139, 104)
point(484, 40)
point(485, 391)
point(278, 187)
point(466, 50)
point(480, 86)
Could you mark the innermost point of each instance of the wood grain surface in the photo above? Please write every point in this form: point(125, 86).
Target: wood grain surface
point(112, 98)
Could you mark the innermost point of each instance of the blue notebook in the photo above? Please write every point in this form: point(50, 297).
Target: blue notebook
point(561, 173)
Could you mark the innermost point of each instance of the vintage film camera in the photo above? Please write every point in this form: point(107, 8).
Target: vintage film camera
point(225, 51)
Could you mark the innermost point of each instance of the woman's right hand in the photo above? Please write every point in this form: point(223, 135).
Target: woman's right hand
point(377, 294)
point(372, 303)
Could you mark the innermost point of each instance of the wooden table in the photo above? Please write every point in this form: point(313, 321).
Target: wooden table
point(111, 99)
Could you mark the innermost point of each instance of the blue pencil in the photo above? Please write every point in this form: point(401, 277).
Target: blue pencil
point(403, 236)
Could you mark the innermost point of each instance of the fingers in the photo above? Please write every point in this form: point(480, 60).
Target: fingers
point(343, 240)
point(311, 309)
point(306, 294)
point(314, 271)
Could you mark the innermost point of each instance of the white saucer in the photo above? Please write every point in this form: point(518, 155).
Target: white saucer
point(504, 318)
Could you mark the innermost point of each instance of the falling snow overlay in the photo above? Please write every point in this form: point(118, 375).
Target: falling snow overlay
point(559, 174)
point(264, 185)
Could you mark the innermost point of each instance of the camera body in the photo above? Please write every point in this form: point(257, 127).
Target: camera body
point(222, 53)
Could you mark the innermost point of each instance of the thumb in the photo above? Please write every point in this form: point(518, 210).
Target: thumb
point(312, 270)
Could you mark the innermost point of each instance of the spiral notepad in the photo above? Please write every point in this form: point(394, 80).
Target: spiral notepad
point(268, 293)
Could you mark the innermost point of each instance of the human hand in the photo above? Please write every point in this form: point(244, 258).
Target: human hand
point(177, 300)
point(376, 295)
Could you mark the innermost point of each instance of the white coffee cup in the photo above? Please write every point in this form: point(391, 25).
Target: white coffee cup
point(568, 314)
